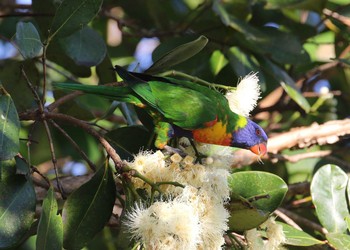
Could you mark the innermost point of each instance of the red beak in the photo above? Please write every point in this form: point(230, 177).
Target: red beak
point(259, 149)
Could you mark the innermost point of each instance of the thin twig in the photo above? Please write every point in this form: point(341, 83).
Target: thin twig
point(78, 123)
point(63, 100)
point(301, 220)
point(43, 100)
point(47, 129)
point(286, 219)
point(75, 145)
point(299, 157)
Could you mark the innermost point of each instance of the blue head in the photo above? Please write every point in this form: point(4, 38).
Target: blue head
point(251, 137)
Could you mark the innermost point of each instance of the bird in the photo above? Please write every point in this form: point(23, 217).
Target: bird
point(181, 108)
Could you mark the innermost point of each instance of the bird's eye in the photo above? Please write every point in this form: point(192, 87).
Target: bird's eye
point(258, 132)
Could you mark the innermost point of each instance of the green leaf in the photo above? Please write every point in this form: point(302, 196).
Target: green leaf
point(328, 191)
point(85, 47)
point(217, 62)
point(104, 72)
point(315, 5)
point(88, 209)
point(71, 15)
point(296, 237)
point(56, 54)
point(282, 47)
point(286, 82)
point(178, 55)
point(339, 240)
point(17, 208)
point(9, 126)
point(128, 140)
point(347, 219)
point(50, 229)
point(15, 84)
point(28, 40)
point(247, 210)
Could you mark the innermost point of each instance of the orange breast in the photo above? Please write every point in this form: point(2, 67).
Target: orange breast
point(215, 134)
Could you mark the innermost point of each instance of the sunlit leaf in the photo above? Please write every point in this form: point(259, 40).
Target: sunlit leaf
point(286, 82)
point(178, 55)
point(281, 46)
point(88, 209)
point(50, 230)
point(71, 15)
point(297, 237)
point(254, 196)
point(315, 5)
point(85, 46)
point(17, 206)
point(217, 62)
point(9, 126)
point(28, 40)
point(339, 240)
point(328, 191)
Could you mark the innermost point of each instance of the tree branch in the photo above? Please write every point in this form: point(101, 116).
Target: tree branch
point(302, 137)
point(78, 123)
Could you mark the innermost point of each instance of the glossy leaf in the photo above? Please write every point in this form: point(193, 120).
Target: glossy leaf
point(217, 62)
point(9, 126)
point(128, 141)
point(56, 54)
point(286, 82)
point(282, 47)
point(104, 71)
point(297, 237)
point(328, 191)
point(71, 15)
point(15, 84)
point(28, 40)
point(243, 64)
point(88, 209)
point(85, 46)
point(315, 5)
point(17, 208)
point(243, 217)
point(339, 240)
point(347, 219)
point(178, 55)
point(254, 196)
point(50, 229)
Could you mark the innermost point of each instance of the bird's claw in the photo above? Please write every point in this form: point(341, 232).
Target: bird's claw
point(172, 150)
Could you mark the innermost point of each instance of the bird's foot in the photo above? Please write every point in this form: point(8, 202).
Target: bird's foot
point(172, 150)
point(200, 157)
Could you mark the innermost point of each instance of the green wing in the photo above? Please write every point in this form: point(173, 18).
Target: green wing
point(182, 106)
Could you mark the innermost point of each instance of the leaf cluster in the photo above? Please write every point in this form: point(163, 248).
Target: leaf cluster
point(300, 49)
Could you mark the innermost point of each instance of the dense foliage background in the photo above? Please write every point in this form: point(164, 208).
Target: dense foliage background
point(300, 49)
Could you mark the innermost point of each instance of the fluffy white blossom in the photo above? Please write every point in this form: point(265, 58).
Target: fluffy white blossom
point(244, 99)
point(274, 233)
point(165, 225)
point(194, 217)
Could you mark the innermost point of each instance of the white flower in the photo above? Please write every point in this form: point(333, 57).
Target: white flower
point(254, 240)
point(194, 217)
point(165, 225)
point(212, 214)
point(244, 99)
point(274, 233)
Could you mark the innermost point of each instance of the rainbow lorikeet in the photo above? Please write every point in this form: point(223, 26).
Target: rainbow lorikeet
point(182, 108)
